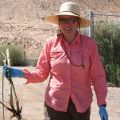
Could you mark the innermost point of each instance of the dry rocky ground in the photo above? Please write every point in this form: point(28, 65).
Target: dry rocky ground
point(31, 98)
point(21, 22)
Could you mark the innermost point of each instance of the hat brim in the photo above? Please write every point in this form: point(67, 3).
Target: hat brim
point(55, 19)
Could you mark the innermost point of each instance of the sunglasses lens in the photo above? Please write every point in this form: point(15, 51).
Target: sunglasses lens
point(68, 20)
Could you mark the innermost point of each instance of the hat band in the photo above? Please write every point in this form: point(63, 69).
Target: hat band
point(71, 12)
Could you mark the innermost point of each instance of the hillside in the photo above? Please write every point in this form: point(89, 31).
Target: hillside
point(17, 9)
point(21, 23)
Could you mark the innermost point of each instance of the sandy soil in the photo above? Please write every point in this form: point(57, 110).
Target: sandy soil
point(31, 98)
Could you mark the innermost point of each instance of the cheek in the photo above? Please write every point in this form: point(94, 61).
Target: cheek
point(77, 25)
point(61, 27)
point(74, 26)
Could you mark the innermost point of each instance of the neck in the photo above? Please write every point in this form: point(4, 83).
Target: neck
point(70, 38)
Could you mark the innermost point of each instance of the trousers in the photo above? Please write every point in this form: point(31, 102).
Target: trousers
point(71, 114)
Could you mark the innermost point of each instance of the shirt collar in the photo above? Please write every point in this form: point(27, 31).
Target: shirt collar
point(77, 39)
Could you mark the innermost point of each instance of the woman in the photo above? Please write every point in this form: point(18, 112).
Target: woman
point(73, 63)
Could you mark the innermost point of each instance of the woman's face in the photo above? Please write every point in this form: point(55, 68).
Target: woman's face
point(68, 24)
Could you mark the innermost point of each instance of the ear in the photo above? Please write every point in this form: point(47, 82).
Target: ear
point(78, 24)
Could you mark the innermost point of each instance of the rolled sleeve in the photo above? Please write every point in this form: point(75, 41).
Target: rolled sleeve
point(42, 68)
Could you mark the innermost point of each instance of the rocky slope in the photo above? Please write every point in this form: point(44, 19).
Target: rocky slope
point(21, 21)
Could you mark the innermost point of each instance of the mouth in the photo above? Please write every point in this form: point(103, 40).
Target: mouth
point(67, 29)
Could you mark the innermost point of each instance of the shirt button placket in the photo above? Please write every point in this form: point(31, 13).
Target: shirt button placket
point(70, 82)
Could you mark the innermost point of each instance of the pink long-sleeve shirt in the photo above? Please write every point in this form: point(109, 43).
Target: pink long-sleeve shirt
point(67, 80)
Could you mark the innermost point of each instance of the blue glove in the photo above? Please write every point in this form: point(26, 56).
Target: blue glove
point(103, 113)
point(14, 72)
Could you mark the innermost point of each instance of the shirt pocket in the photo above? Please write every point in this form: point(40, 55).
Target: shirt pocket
point(81, 59)
point(55, 55)
point(77, 58)
point(56, 59)
point(86, 61)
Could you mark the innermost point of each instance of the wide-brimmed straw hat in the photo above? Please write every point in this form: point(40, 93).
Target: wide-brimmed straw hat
point(72, 9)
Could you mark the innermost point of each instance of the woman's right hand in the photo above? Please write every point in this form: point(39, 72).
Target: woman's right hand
point(14, 72)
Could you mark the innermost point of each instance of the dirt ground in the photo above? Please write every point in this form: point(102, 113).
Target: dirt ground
point(31, 97)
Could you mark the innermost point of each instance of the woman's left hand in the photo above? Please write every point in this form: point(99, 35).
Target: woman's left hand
point(103, 113)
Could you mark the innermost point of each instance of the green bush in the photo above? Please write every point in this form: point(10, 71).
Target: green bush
point(108, 38)
point(16, 55)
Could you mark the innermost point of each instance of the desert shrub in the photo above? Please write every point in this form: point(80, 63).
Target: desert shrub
point(32, 62)
point(108, 38)
point(16, 55)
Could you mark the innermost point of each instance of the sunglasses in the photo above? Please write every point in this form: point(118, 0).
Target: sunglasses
point(68, 20)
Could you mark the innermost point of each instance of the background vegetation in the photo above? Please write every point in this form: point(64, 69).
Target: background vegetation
point(108, 38)
point(16, 55)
